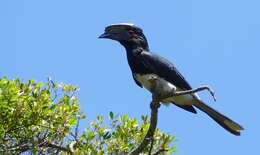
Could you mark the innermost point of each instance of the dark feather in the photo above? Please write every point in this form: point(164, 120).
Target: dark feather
point(165, 69)
point(137, 82)
point(189, 108)
point(221, 119)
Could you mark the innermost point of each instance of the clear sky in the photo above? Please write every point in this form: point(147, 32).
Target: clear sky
point(211, 42)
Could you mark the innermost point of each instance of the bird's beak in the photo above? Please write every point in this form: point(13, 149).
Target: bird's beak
point(105, 35)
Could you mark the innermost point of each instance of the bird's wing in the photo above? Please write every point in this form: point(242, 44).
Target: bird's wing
point(165, 69)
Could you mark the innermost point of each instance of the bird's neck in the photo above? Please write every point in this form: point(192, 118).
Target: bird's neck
point(130, 46)
point(133, 48)
point(134, 61)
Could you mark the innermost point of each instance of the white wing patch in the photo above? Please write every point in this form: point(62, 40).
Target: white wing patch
point(164, 87)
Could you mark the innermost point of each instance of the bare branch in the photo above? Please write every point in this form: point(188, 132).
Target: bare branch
point(61, 148)
point(153, 123)
point(160, 151)
point(155, 104)
point(151, 146)
point(76, 131)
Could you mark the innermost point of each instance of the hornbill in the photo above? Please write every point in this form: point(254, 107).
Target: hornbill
point(147, 67)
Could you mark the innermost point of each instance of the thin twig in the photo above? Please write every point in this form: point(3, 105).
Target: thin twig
point(47, 144)
point(160, 151)
point(151, 146)
point(77, 129)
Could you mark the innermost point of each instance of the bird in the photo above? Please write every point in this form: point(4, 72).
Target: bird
point(147, 66)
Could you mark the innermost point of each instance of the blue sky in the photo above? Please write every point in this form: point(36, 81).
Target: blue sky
point(211, 42)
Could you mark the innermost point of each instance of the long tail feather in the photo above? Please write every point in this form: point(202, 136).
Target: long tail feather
point(222, 120)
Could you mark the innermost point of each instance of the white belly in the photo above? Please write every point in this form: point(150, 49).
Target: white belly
point(161, 86)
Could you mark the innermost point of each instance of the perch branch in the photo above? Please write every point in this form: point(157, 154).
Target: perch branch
point(151, 146)
point(153, 123)
point(155, 104)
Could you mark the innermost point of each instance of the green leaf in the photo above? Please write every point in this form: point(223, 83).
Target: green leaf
point(172, 149)
point(73, 121)
point(32, 111)
point(111, 115)
point(99, 118)
point(107, 135)
point(90, 135)
point(124, 118)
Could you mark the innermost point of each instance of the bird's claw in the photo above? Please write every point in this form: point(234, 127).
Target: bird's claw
point(212, 93)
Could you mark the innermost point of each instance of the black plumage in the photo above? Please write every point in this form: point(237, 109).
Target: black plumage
point(145, 64)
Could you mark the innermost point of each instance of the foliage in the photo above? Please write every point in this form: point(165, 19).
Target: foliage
point(43, 118)
point(122, 135)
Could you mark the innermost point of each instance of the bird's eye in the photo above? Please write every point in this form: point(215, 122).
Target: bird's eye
point(131, 32)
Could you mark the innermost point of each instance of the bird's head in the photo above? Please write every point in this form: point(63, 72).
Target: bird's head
point(127, 34)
